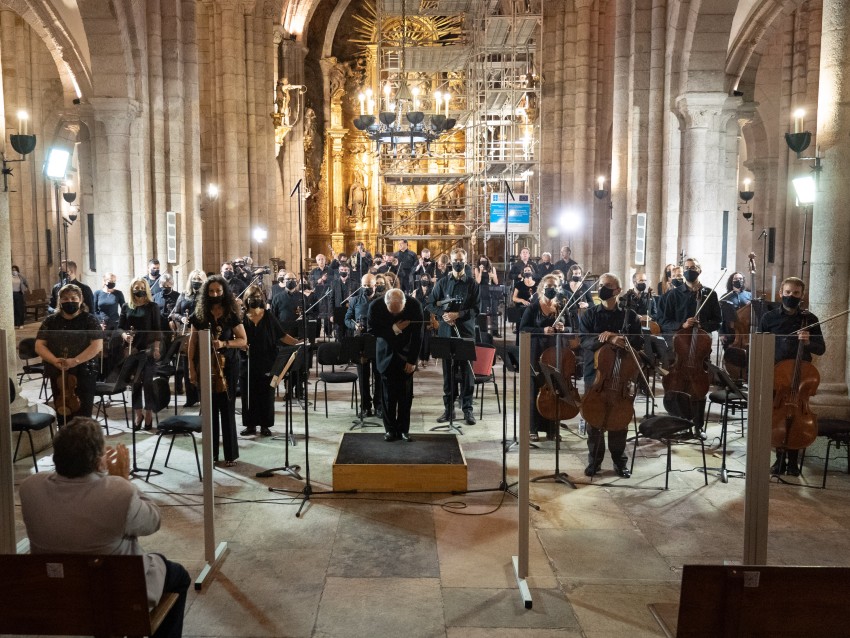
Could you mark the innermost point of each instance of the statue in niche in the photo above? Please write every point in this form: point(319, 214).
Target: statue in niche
point(337, 74)
point(309, 129)
point(282, 99)
point(357, 197)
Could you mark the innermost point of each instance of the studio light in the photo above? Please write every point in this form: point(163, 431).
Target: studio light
point(260, 235)
point(570, 221)
point(57, 163)
point(806, 190)
point(212, 191)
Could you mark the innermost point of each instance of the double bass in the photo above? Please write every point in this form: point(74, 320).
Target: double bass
point(794, 425)
point(549, 405)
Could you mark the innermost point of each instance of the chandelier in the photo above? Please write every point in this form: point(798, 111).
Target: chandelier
point(400, 119)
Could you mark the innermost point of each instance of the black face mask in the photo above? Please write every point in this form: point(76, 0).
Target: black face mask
point(425, 283)
point(166, 291)
point(640, 287)
point(280, 280)
point(576, 278)
point(737, 285)
point(788, 301)
point(550, 293)
point(215, 301)
point(677, 282)
point(368, 291)
point(691, 276)
point(343, 275)
point(527, 275)
point(138, 294)
point(154, 273)
point(227, 274)
point(379, 288)
point(667, 274)
point(290, 285)
point(457, 266)
point(606, 293)
point(110, 285)
point(255, 302)
point(196, 285)
point(70, 307)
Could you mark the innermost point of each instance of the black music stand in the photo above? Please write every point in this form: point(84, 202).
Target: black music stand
point(454, 349)
point(556, 383)
point(734, 393)
point(511, 364)
point(359, 348)
point(284, 364)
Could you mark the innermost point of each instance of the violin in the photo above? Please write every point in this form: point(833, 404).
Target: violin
point(549, 405)
point(794, 425)
point(65, 399)
point(219, 382)
point(609, 403)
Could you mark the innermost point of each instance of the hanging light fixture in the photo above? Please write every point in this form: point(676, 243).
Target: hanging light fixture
point(389, 129)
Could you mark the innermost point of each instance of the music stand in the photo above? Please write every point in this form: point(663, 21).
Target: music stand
point(281, 369)
point(511, 364)
point(454, 349)
point(360, 348)
point(733, 392)
point(556, 383)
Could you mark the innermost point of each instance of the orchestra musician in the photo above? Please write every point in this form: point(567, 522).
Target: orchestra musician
point(288, 305)
point(539, 318)
point(69, 341)
point(664, 285)
point(566, 261)
point(736, 297)
point(678, 310)
point(523, 264)
point(341, 289)
point(396, 322)
point(457, 319)
point(139, 326)
point(545, 265)
point(639, 299)
point(236, 285)
point(423, 291)
point(218, 312)
point(361, 261)
point(782, 322)
point(601, 324)
point(407, 261)
point(357, 322)
point(486, 277)
point(321, 277)
point(577, 294)
point(184, 307)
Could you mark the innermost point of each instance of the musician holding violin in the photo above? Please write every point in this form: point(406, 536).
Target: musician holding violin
point(640, 299)
point(577, 294)
point(217, 311)
point(541, 317)
point(69, 342)
point(795, 342)
point(609, 325)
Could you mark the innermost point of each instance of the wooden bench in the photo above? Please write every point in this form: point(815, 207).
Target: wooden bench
point(77, 595)
point(35, 302)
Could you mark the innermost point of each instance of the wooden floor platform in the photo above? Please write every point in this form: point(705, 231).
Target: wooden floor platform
point(431, 463)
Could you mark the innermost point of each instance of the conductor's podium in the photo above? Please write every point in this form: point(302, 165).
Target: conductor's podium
point(431, 463)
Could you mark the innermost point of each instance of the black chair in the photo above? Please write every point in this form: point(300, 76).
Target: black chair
point(130, 373)
point(161, 395)
point(836, 431)
point(26, 353)
point(731, 396)
point(29, 422)
point(167, 365)
point(669, 429)
point(329, 354)
point(183, 425)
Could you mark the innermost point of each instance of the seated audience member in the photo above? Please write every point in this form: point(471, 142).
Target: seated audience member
point(100, 511)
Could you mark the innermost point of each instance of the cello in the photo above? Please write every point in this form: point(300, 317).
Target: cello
point(794, 425)
point(549, 405)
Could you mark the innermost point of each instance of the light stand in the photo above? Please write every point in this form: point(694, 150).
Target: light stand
point(806, 189)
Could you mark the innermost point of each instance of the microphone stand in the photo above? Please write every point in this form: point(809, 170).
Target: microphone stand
point(307, 491)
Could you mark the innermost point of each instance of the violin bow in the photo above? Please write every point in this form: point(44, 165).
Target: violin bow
point(812, 325)
point(708, 296)
point(574, 301)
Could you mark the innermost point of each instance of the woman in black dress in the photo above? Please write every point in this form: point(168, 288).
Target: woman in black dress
point(485, 277)
point(577, 295)
point(264, 334)
point(139, 326)
point(184, 307)
point(539, 319)
point(69, 342)
point(217, 311)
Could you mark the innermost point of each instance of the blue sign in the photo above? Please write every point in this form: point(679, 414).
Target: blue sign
point(519, 213)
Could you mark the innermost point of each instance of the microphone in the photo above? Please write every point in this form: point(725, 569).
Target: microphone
point(763, 233)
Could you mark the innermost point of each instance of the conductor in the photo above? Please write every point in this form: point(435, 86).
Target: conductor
point(396, 322)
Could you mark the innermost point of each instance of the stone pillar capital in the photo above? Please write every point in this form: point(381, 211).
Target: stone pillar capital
point(114, 112)
point(706, 110)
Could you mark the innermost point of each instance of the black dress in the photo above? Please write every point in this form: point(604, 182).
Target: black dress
point(257, 395)
point(145, 321)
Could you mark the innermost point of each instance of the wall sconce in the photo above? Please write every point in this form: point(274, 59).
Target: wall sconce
point(799, 140)
point(746, 195)
point(601, 193)
point(22, 143)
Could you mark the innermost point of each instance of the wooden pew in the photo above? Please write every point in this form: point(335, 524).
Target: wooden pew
point(35, 302)
point(77, 595)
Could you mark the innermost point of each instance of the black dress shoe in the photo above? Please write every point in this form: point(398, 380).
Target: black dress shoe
point(622, 471)
point(591, 470)
point(248, 432)
point(793, 470)
point(389, 436)
point(265, 432)
point(378, 414)
point(445, 417)
point(468, 418)
point(406, 437)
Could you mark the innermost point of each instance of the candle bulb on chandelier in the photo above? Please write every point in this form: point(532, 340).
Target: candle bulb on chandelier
point(387, 90)
point(447, 97)
point(438, 98)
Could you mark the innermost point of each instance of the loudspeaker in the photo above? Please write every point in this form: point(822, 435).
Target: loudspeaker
point(49, 239)
point(171, 236)
point(771, 244)
point(92, 250)
point(640, 239)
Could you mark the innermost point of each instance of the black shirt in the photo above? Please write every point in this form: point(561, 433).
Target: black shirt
point(564, 266)
point(221, 329)
point(88, 296)
point(145, 321)
point(680, 304)
point(524, 291)
point(641, 303)
point(598, 319)
point(466, 291)
point(263, 341)
point(393, 351)
point(67, 338)
point(285, 306)
point(782, 323)
point(166, 303)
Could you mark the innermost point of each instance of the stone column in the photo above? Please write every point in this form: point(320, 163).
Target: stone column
point(620, 139)
point(114, 223)
point(704, 118)
point(830, 250)
point(655, 134)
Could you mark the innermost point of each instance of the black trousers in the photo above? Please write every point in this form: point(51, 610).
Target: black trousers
point(596, 441)
point(463, 378)
point(397, 397)
point(257, 401)
point(86, 382)
point(19, 308)
point(224, 425)
point(177, 581)
point(144, 389)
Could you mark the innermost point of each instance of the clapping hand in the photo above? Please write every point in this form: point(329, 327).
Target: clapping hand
point(116, 461)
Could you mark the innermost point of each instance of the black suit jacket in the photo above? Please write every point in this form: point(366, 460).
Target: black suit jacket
point(395, 349)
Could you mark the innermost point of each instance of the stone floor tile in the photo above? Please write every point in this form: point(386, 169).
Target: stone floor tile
point(503, 608)
point(620, 609)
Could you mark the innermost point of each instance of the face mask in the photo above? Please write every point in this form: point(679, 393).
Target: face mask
point(667, 274)
point(379, 288)
point(70, 307)
point(154, 272)
point(166, 291)
point(228, 274)
point(457, 266)
point(196, 285)
point(280, 280)
point(255, 303)
point(790, 302)
point(425, 283)
point(215, 301)
point(677, 282)
point(691, 276)
point(575, 278)
point(549, 293)
point(290, 285)
point(527, 275)
point(606, 293)
point(110, 285)
point(737, 285)
point(483, 264)
point(138, 294)
point(368, 291)
point(640, 287)
point(343, 275)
